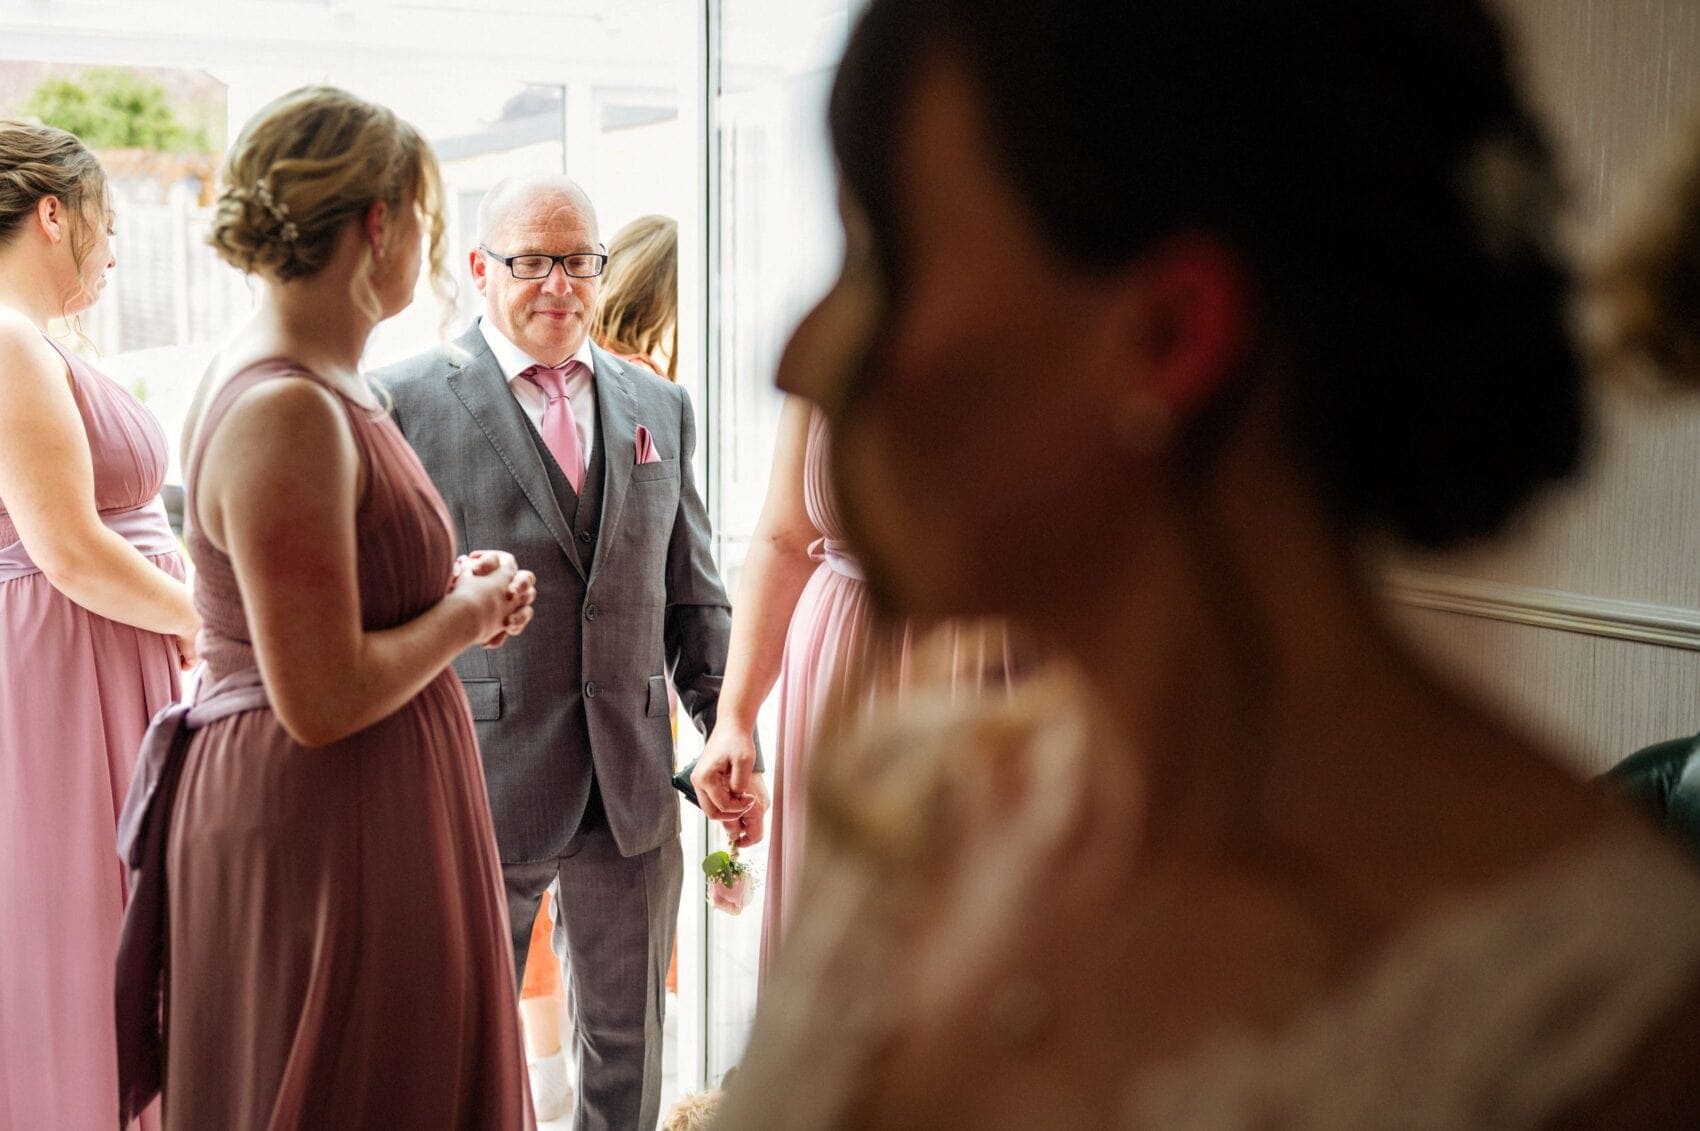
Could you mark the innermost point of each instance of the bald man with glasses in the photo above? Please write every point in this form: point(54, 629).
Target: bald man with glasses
point(545, 445)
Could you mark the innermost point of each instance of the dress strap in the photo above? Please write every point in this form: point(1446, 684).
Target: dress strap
point(60, 350)
point(228, 393)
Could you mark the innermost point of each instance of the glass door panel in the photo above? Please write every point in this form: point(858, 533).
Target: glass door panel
point(776, 244)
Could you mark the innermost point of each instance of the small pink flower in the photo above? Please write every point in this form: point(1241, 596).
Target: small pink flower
point(730, 899)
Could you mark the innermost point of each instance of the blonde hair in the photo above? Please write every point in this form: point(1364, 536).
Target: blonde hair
point(306, 165)
point(1644, 284)
point(40, 161)
point(639, 309)
point(694, 1112)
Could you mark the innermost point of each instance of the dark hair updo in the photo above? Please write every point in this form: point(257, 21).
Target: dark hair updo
point(1370, 161)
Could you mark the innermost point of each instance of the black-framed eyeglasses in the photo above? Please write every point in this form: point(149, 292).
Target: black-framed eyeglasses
point(578, 265)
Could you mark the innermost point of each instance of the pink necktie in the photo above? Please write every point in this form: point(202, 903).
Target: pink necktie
point(560, 426)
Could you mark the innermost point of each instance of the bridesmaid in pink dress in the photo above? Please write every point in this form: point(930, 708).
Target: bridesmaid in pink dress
point(94, 623)
point(804, 619)
point(338, 942)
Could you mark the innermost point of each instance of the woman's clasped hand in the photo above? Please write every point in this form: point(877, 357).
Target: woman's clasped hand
point(497, 591)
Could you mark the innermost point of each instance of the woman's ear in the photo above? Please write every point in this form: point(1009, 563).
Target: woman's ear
point(375, 226)
point(1184, 316)
point(50, 217)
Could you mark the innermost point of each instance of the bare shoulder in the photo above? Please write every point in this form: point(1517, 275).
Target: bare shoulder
point(283, 414)
point(14, 326)
point(1659, 1085)
point(283, 448)
point(44, 448)
point(290, 430)
point(24, 353)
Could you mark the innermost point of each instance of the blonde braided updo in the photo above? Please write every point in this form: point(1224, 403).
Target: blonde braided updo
point(306, 165)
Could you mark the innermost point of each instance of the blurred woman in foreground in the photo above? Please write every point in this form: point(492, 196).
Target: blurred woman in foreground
point(1154, 318)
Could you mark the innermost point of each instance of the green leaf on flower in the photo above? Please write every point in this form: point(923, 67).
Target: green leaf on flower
point(715, 863)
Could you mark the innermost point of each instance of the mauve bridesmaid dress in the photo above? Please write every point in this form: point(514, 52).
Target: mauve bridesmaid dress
point(339, 953)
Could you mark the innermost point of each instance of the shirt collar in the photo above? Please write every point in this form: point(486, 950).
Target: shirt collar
point(514, 361)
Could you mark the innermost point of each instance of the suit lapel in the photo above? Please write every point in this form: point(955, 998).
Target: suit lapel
point(476, 379)
point(616, 409)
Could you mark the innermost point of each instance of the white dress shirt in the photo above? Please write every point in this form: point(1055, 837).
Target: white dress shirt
point(581, 390)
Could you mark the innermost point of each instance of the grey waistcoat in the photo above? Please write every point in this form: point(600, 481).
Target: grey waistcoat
point(583, 510)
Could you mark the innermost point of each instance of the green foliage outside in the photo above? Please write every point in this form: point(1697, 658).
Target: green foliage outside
point(113, 109)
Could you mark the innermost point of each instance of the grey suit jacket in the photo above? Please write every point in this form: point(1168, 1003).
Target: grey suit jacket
point(583, 689)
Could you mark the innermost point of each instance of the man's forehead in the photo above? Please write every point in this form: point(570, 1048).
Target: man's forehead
point(551, 218)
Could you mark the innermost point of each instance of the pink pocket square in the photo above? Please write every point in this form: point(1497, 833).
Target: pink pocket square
point(646, 446)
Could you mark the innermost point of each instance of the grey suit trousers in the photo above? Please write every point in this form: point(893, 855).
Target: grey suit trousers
point(624, 946)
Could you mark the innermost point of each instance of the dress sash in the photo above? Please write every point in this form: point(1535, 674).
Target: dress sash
point(144, 828)
point(838, 558)
point(144, 527)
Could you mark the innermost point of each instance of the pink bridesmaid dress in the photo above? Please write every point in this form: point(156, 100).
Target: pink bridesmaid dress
point(841, 656)
point(76, 693)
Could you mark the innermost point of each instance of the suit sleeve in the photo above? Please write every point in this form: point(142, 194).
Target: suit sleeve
point(699, 617)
